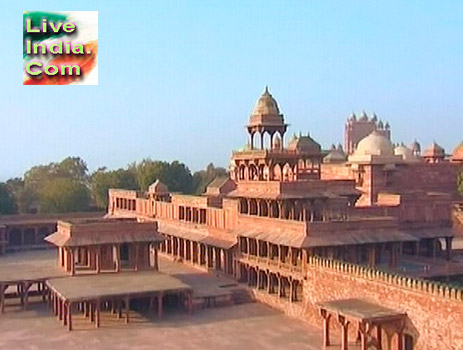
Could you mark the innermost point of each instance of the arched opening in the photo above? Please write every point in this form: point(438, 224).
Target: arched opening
point(253, 207)
point(242, 172)
point(277, 172)
point(253, 172)
point(244, 206)
point(287, 172)
point(274, 210)
point(261, 172)
point(263, 208)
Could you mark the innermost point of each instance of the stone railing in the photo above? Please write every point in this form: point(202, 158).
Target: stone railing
point(264, 261)
point(415, 284)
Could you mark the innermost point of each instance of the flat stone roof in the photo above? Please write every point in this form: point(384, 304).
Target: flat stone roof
point(107, 285)
point(361, 309)
point(27, 268)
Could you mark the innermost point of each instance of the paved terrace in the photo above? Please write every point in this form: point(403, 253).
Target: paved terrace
point(248, 326)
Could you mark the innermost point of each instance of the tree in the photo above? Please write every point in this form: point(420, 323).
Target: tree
point(203, 178)
point(39, 179)
point(102, 180)
point(7, 200)
point(62, 195)
point(22, 199)
point(176, 176)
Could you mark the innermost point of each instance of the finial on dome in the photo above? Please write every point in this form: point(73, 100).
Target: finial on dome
point(266, 89)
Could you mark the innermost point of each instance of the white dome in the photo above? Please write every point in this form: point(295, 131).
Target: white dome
point(375, 144)
point(405, 152)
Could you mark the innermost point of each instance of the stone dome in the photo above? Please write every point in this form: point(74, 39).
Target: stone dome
point(457, 154)
point(158, 187)
point(266, 112)
point(405, 152)
point(266, 104)
point(336, 155)
point(434, 151)
point(375, 144)
point(304, 144)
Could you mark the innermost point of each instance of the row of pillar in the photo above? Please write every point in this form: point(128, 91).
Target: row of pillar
point(196, 253)
point(23, 292)
point(272, 283)
point(91, 309)
point(91, 258)
point(364, 332)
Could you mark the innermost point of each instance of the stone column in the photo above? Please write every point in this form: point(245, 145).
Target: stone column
point(73, 262)
point(97, 313)
point(69, 317)
point(326, 327)
point(156, 258)
point(344, 332)
point(98, 259)
point(448, 248)
point(127, 309)
point(117, 248)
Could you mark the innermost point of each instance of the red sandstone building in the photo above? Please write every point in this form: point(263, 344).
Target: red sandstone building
point(324, 236)
point(285, 217)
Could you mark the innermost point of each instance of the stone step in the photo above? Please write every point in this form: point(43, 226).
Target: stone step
point(242, 296)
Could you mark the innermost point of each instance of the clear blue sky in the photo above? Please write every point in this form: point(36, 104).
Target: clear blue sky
point(178, 79)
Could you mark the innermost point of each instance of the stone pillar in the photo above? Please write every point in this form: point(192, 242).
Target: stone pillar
point(137, 256)
point(156, 259)
point(98, 259)
point(363, 336)
point(127, 309)
point(73, 262)
point(97, 313)
point(117, 248)
point(344, 332)
point(69, 317)
point(400, 340)
point(290, 290)
point(448, 248)
point(2, 298)
point(379, 336)
point(326, 327)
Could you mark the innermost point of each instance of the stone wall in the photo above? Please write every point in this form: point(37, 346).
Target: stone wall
point(434, 310)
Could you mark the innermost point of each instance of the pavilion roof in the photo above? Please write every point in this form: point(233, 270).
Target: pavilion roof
point(62, 240)
point(436, 232)
point(362, 310)
point(78, 288)
point(196, 234)
point(325, 239)
point(76, 233)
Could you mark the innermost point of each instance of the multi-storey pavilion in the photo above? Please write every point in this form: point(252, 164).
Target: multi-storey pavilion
point(304, 235)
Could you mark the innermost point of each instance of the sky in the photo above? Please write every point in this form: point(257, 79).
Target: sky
point(178, 79)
